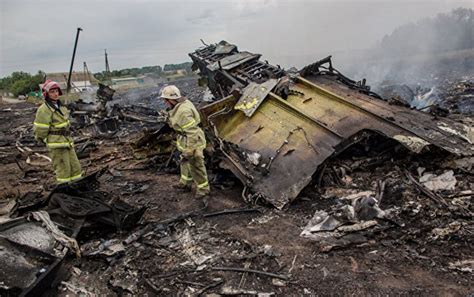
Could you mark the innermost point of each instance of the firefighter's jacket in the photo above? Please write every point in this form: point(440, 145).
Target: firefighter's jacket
point(51, 126)
point(185, 120)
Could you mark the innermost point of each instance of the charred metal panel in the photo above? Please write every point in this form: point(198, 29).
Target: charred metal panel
point(226, 71)
point(253, 96)
point(232, 61)
point(275, 145)
point(29, 261)
point(290, 145)
point(412, 128)
point(224, 47)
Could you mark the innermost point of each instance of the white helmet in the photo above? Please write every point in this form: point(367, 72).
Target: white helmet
point(170, 92)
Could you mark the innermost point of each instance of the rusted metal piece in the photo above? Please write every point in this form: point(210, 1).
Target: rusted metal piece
point(276, 147)
point(253, 96)
point(414, 129)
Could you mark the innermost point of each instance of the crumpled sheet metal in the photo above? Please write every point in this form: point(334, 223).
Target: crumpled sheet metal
point(294, 136)
point(230, 62)
point(414, 129)
point(223, 48)
point(288, 145)
point(30, 258)
point(253, 96)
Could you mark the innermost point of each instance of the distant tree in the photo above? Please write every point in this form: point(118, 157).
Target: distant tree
point(172, 67)
point(21, 83)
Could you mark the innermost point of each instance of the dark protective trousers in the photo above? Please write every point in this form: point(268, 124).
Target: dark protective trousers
point(65, 164)
point(194, 169)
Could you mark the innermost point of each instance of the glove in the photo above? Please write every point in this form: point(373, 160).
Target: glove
point(163, 116)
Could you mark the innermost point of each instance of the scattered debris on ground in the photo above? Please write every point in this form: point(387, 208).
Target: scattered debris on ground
point(378, 195)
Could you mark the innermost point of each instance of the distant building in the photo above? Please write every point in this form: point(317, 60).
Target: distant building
point(129, 81)
point(80, 81)
point(175, 72)
point(132, 82)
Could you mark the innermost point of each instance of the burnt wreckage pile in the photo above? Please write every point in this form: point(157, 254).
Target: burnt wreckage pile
point(33, 247)
point(358, 163)
point(46, 224)
point(275, 129)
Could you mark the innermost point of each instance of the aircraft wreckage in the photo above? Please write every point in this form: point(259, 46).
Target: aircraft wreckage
point(33, 247)
point(275, 129)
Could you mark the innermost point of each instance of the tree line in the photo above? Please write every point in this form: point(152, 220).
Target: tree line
point(153, 71)
point(22, 83)
point(150, 70)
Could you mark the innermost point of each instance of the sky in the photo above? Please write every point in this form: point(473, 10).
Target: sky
point(39, 34)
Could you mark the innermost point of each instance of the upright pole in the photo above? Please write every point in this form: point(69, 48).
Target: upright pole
point(88, 73)
point(72, 61)
point(85, 75)
point(107, 68)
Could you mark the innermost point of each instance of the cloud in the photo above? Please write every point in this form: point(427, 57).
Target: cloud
point(205, 16)
point(39, 34)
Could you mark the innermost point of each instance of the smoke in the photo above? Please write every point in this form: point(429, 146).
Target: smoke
point(422, 64)
point(426, 52)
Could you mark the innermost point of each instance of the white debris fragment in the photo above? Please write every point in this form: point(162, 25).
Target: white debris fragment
point(448, 230)
point(466, 163)
point(76, 270)
point(278, 282)
point(445, 181)
point(191, 249)
point(358, 216)
point(420, 170)
point(254, 158)
point(77, 290)
point(359, 195)
point(414, 143)
point(463, 266)
point(466, 134)
point(43, 216)
point(325, 272)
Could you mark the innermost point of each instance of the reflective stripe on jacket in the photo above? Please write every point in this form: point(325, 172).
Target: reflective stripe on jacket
point(49, 120)
point(185, 119)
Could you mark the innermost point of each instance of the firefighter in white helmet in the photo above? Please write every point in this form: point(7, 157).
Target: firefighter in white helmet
point(185, 119)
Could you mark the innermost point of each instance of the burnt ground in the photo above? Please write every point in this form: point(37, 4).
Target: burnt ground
point(407, 255)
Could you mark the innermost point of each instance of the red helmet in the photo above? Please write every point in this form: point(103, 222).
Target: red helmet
point(49, 85)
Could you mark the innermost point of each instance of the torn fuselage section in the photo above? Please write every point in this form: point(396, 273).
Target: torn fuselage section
point(274, 132)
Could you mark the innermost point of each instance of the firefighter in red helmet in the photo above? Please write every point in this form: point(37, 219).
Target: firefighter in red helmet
point(51, 127)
